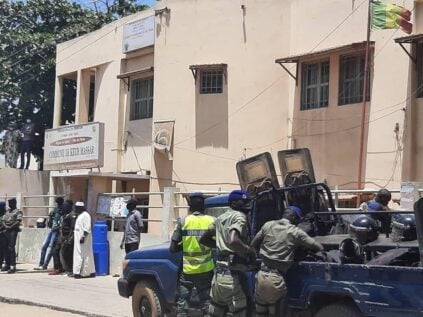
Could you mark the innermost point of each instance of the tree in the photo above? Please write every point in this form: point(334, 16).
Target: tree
point(29, 33)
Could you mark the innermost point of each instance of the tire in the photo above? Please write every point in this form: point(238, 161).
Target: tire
point(146, 301)
point(338, 310)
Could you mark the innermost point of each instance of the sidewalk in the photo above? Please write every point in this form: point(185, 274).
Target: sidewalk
point(96, 297)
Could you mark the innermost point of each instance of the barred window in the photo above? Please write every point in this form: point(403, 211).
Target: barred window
point(211, 81)
point(419, 88)
point(142, 98)
point(315, 85)
point(351, 79)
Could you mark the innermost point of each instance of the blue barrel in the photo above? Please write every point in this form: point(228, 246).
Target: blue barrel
point(101, 248)
point(100, 232)
point(101, 258)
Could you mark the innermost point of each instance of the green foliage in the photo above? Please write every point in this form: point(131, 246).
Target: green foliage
point(29, 33)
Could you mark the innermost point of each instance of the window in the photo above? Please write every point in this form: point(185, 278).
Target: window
point(211, 81)
point(419, 55)
point(142, 98)
point(351, 79)
point(315, 85)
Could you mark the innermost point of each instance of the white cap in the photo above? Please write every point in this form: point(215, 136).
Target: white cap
point(79, 204)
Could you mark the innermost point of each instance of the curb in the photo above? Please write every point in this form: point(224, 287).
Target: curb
point(52, 307)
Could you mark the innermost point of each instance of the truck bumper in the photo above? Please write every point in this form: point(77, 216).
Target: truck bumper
point(123, 287)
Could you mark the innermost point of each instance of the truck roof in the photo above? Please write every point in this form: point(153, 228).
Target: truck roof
point(217, 201)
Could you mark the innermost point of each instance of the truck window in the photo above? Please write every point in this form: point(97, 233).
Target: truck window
point(216, 211)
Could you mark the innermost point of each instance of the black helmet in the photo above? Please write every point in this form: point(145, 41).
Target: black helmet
point(351, 252)
point(364, 229)
point(403, 227)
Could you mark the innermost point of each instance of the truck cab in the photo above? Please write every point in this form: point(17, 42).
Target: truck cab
point(388, 283)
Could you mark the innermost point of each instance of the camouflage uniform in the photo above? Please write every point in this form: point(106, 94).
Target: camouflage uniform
point(279, 240)
point(227, 293)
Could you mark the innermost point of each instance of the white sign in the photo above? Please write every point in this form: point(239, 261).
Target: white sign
point(74, 147)
point(138, 34)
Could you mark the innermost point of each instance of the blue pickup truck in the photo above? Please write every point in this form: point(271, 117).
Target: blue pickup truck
point(316, 288)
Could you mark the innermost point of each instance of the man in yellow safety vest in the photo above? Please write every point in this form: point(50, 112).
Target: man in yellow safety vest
point(198, 264)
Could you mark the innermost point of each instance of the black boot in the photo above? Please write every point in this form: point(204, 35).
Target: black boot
point(12, 270)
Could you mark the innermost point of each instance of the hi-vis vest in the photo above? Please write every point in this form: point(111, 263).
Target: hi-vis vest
point(197, 258)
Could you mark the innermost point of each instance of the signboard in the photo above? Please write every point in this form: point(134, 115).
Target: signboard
point(74, 147)
point(138, 34)
point(112, 206)
point(409, 195)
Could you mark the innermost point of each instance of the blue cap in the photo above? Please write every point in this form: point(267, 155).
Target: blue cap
point(297, 210)
point(238, 194)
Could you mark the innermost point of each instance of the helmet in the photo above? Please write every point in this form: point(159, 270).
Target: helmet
point(351, 252)
point(364, 229)
point(403, 227)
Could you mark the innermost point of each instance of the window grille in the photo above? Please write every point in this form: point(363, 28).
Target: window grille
point(142, 98)
point(315, 85)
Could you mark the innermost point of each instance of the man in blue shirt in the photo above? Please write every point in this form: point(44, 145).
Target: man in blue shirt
point(134, 225)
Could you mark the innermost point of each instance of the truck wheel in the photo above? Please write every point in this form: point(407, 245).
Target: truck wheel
point(145, 301)
point(337, 310)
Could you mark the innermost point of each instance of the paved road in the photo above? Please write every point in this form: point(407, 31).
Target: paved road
point(12, 310)
point(92, 297)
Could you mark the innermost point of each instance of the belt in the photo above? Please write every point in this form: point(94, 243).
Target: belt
point(267, 269)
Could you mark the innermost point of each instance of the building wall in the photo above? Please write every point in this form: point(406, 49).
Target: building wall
point(213, 132)
point(335, 144)
point(102, 51)
point(413, 131)
point(28, 183)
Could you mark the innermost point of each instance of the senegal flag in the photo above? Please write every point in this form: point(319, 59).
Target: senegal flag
point(390, 16)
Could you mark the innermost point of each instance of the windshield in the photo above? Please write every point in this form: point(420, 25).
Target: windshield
point(216, 211)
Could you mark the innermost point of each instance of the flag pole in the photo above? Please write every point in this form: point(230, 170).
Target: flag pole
point(365, 91)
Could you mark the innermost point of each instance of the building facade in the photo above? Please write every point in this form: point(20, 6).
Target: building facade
point(187, 89)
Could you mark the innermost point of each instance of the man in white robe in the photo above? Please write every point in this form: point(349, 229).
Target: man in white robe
point(83, 258)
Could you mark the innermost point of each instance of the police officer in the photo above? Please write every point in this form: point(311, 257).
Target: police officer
point(231, 238)
point(198, 264)
point(12, 221)
point(3, 240)
point(277, 240)
point(380, 203)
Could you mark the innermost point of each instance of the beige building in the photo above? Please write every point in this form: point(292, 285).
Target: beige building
point(201, 77)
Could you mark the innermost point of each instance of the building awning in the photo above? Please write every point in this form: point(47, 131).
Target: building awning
point(88, 174)
point(297, 58)
point(126, 76)
point(135, 72)
point(194, 68)
point(409, 39)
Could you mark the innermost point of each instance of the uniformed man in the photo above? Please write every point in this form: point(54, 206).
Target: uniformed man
point(231, 239)
point(12, 221)
point(3, 240)
point(198, 264)
point(277, 240)
point(380, 203)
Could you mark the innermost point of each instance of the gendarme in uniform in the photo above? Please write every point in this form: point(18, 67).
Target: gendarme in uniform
point(278, 239)
point(227, 294)
point(198, 264)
